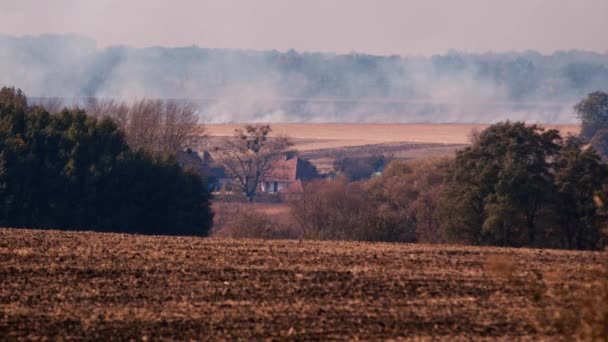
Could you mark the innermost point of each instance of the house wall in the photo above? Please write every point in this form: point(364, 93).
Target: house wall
point(269, 187)
point(282, 186)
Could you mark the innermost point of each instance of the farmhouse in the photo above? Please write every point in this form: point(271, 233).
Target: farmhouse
point(288, 174)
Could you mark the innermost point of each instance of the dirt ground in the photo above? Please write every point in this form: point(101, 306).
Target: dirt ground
point(95, 286)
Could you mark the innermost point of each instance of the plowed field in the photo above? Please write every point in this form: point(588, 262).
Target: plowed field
point(80, 285)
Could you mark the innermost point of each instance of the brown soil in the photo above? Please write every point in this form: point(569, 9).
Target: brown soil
point(109, 286)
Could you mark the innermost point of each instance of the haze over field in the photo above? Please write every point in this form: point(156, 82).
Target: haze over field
point(404, 70)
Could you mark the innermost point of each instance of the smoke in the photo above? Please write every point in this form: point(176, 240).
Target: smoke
point(270, 86)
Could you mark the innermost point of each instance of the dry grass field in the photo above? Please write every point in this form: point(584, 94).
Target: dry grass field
point(80, 285)
point(323, 143)
point(314, 136)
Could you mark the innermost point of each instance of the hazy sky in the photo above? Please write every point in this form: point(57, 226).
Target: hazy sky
point(408, 27)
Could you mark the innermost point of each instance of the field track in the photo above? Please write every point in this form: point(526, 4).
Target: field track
point(109, 286)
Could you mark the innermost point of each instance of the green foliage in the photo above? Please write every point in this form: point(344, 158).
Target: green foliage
point(579, 177)
point(600, 143)
point(69, 170)
point(9, 96)
point(502, 182)
point(517, 182)
point(593, 113)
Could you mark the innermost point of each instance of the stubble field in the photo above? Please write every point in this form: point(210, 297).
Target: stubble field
point(81, 285)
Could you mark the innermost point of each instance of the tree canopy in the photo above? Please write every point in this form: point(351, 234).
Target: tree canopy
point(250, 155)
point(593, 113)
point(517, 181)
point(72, 171)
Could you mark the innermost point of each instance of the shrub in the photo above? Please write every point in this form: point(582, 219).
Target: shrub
point(252, 221)
point(408, 198)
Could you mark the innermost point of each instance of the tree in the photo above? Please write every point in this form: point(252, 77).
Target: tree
point(11, 96)
point(600, 143)
point(593, 113)
point(335, 210)
point(156, 125)
point(358, 168)
point(502, 183)
point(50, 104)
point(69, 170)
point(250, 155)
point(407, 197)
point(579, 177)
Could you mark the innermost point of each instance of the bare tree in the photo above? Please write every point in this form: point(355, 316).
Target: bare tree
point(107, 107)
point(51, 104)
point(158, 125)
point(250, 155)
point(180, 127)
point(144, 127)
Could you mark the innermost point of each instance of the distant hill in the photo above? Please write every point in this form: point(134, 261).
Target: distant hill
point(244, 85)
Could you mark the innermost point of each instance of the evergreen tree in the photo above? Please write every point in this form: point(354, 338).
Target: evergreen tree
point(69, 170)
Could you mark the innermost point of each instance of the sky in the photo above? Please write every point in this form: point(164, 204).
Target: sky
point(381, 27)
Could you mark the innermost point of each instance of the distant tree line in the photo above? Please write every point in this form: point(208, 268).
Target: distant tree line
point(70, 170)
point(73, 65)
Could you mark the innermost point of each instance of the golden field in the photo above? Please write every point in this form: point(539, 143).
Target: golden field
point(323, 143)
point(313, 136)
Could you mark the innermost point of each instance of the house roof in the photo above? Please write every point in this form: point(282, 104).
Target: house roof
point(283, 170)
point(291, 169)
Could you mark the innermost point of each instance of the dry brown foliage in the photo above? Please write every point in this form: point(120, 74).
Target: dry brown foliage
point(253, 221)
point(250, 156)
point(157, 125)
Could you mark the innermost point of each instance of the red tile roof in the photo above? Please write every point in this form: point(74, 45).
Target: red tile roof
point(283, 171)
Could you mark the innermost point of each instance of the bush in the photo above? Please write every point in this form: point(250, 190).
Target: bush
point(408, 197)
point(329, 210)
point(339, 210)
point(252, 221)
point(359, 168)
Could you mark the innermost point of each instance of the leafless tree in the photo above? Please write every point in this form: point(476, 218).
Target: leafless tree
point(107, 107)
point(51, 104)
point(144, 127)
point(158, 125)
point(250, 155)
point(180, 128)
